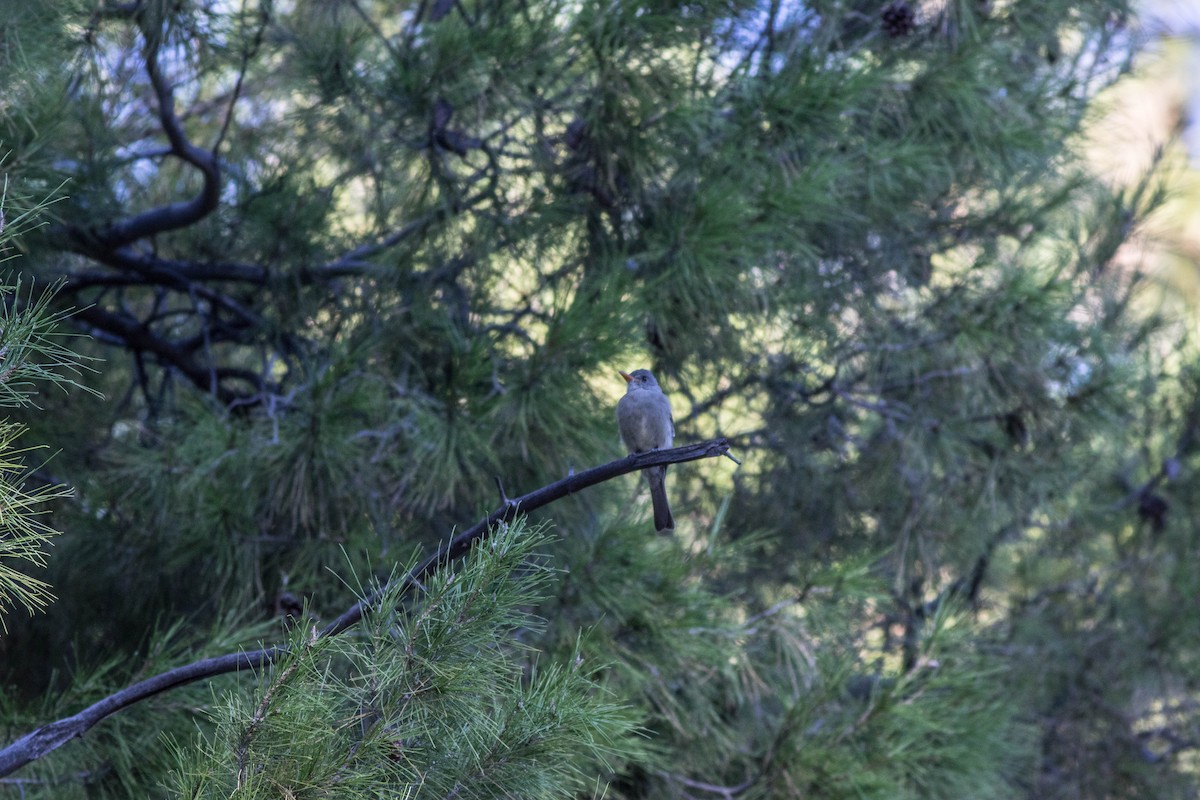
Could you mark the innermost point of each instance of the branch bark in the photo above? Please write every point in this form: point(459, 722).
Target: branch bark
point(173, 215)
point(54, 735)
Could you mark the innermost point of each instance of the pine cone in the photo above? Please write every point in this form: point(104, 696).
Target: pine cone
point(899, 19)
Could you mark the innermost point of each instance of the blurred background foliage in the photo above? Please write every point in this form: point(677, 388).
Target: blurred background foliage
point(347, 261)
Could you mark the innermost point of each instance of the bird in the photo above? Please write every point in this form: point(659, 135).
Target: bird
point(645, 422)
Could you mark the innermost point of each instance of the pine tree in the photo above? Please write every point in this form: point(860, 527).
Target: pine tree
point(350, 261)
point(32, 355)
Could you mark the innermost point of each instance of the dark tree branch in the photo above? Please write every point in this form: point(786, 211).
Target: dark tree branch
point(356, 261)
point(54, 735)
point(129, 332)
point(153, 268)
point(174, 215)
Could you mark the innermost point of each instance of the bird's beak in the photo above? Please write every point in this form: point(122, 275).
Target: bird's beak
point(626, 376)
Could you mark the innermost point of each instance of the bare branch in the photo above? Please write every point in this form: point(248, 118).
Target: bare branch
point(174, 215)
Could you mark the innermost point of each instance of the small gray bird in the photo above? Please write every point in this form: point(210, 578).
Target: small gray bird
point(644, 419)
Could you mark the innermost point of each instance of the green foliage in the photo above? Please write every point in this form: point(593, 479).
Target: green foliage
point(31, 353)
point(427, 699)
point(23, 536)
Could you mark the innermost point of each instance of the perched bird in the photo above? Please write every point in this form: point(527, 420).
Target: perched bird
point(644, 419)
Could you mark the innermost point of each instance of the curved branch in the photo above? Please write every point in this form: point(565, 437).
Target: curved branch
point(509, 510)
point(173, 215)
point(54, 735)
